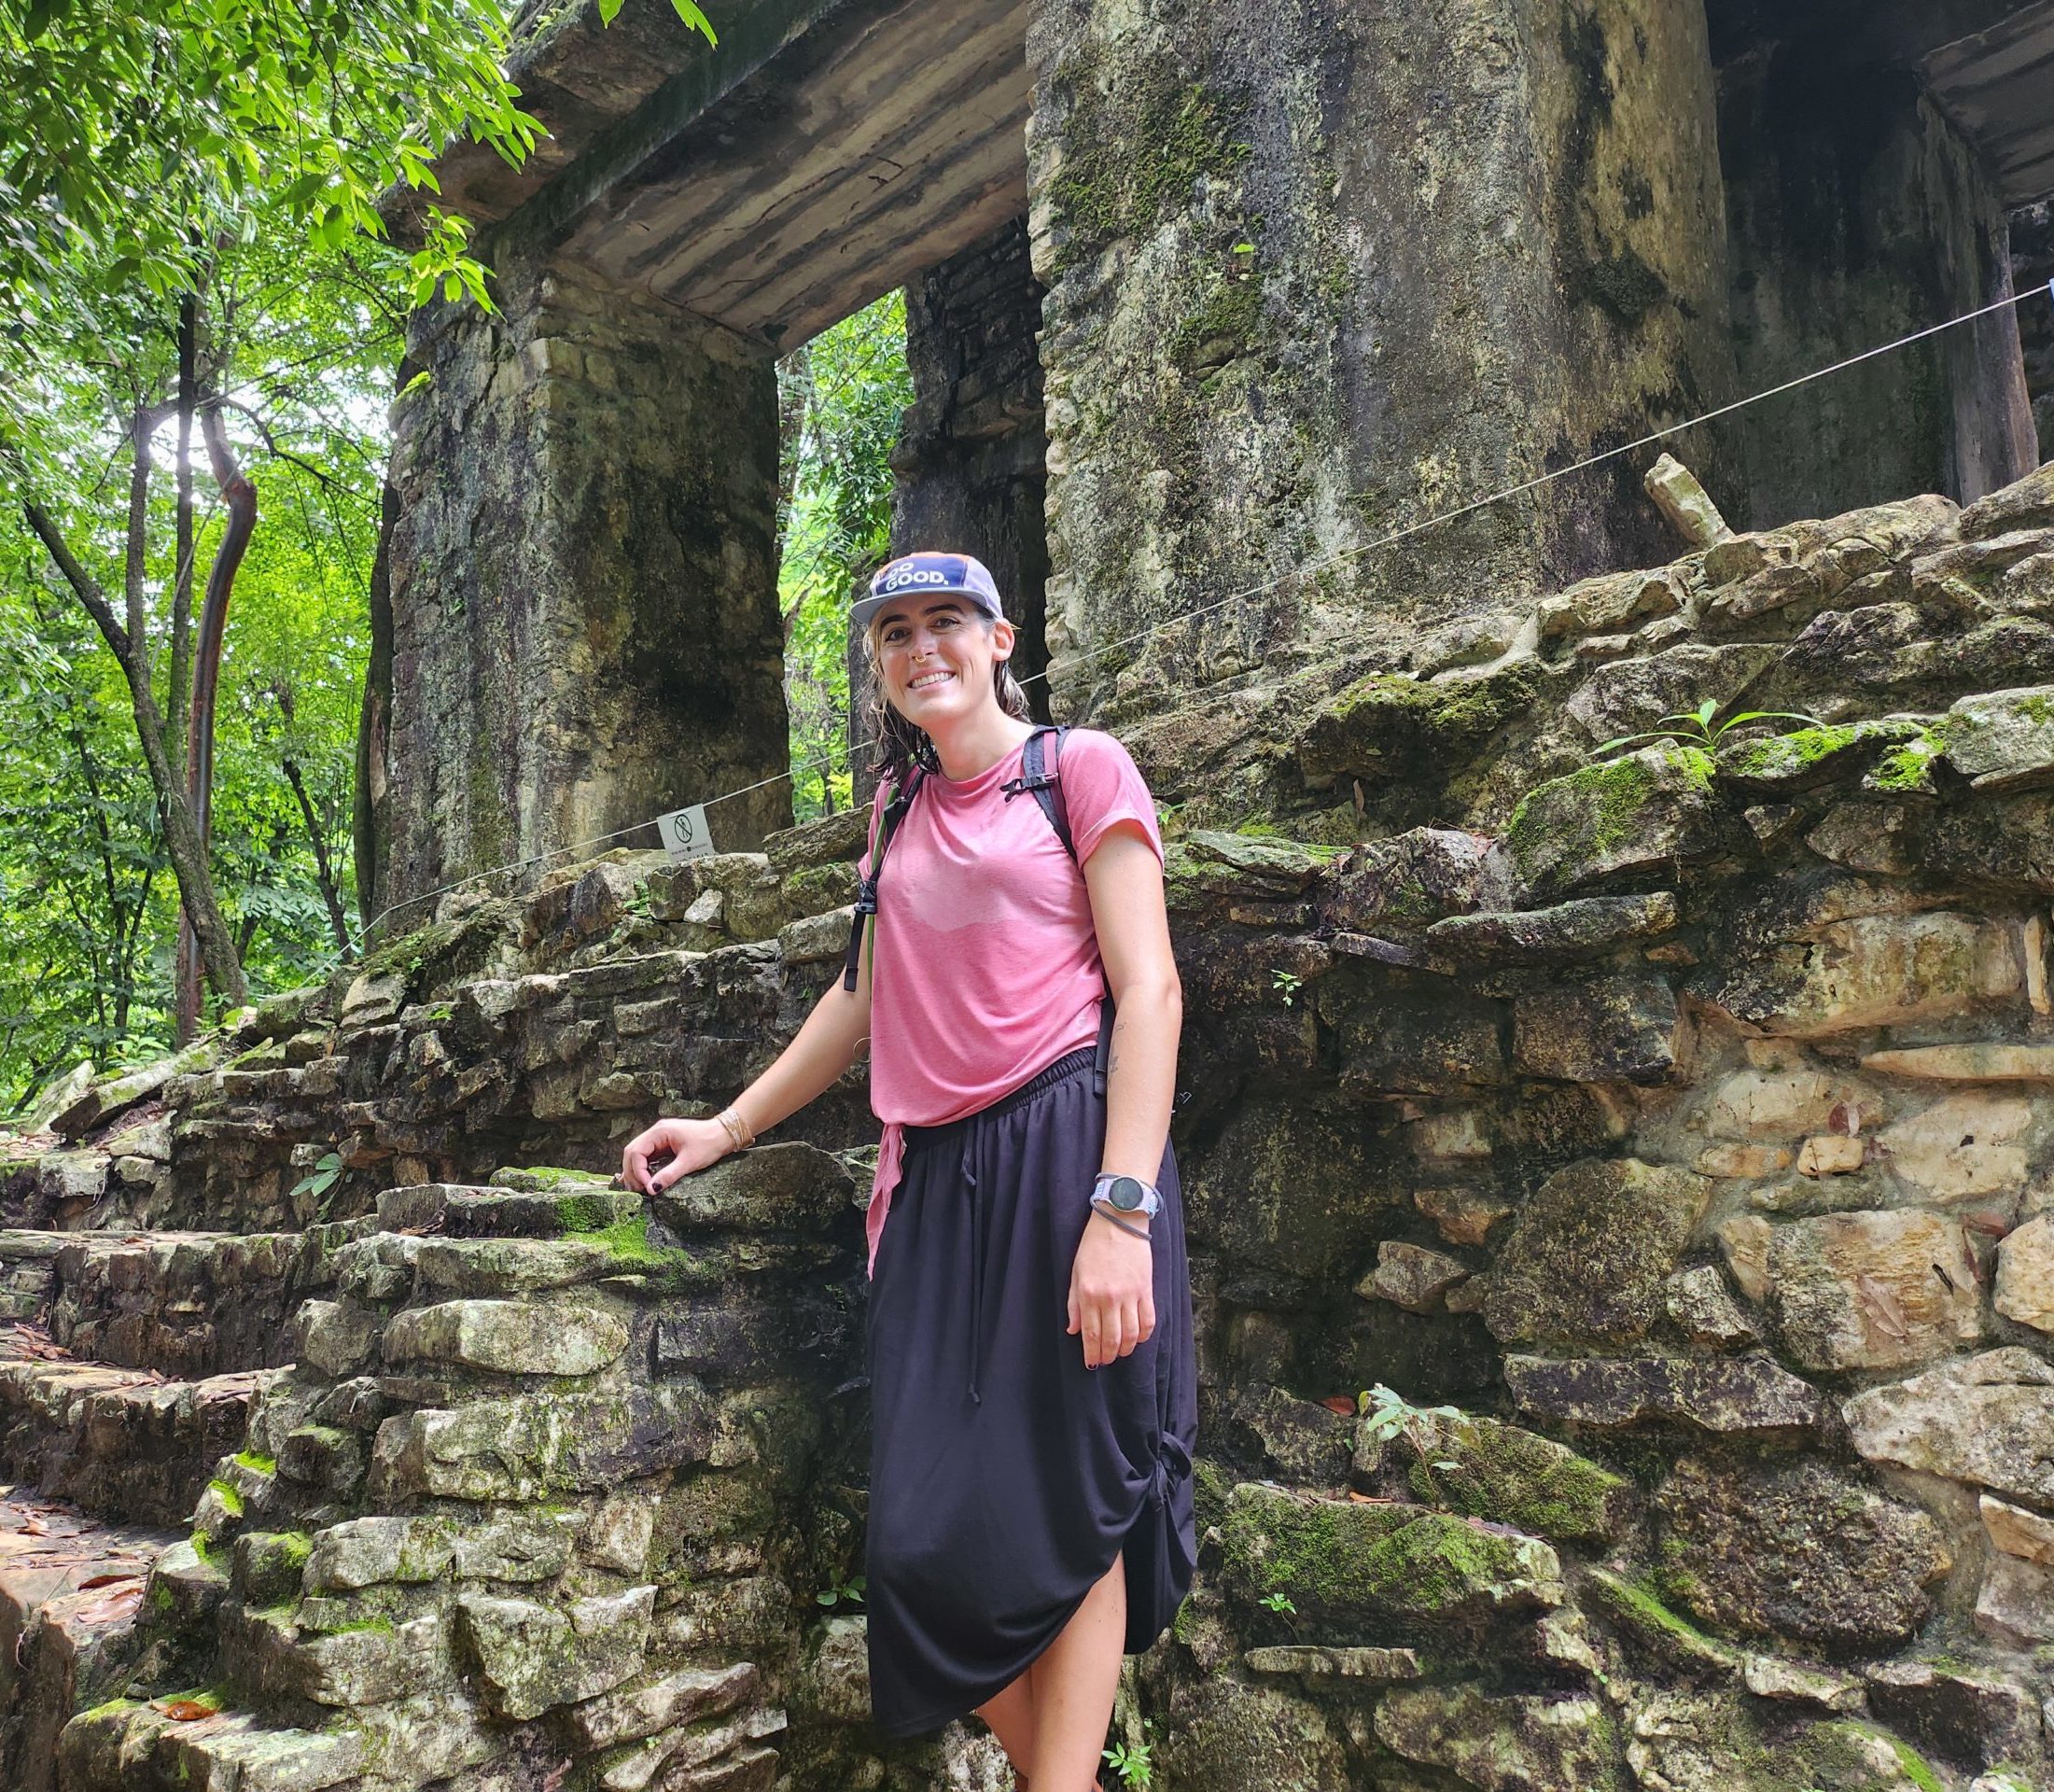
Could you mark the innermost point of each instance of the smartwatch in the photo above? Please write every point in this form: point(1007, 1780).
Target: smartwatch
point(1126, 1194)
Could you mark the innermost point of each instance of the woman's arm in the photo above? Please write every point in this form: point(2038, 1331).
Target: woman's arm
point(817, 1056)
point(1112, 1301)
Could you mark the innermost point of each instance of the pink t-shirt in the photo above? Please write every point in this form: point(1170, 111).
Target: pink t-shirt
point(985, 965)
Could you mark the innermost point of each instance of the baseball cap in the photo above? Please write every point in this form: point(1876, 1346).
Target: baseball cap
point(928, 574)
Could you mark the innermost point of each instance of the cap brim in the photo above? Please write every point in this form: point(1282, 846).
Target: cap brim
point(863, 609)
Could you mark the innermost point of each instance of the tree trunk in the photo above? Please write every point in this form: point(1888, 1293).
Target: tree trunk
point(179, 699)
point(337, 922)
point(240, 496)
point(131, 651)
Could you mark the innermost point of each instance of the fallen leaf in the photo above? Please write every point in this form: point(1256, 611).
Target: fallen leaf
point(110, 1608)
point(1339, 1403)
point(1881, 1303)
point(107, 1581)
point(185, 1710)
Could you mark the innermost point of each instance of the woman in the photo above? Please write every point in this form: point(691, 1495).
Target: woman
point(1033, 1392)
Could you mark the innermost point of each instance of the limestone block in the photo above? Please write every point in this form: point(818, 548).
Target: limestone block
point(1518, 1743)
point(1966, 1144)
point(629, 1713)
point(619, 1533)
point(1743, 1241)
point(1347, 1563)
point(1234, 1736)
point(1743, 1162)
point(334, 1339)
point(2003, 740)
point(2029, 1535)
point(1867, 837)
point(1613, 603)
point(1700, 1306)
point(2025, 1274)
point(1364, 1661)
point(2027, 503)
point(1394, 725)
point(817, 937)
point(530, 1448)
point(1743, 1548)
point(513, 1337)
point(1980, 1063)
point(1583, 928)
point(1456, 1135)
point(744, 1616)
point(370, 1665)
point(1831, 1153)
point(372, 1000)
point(535, 1658)
point(1409, 882)
point(1967, 1715)
point(1884, 971)
point(1738, 1395)
point(769, 1188)
point(1461, 1215)
point(1758, 1104)
point(2016, 1603)
point(516, 1546)
point(1642, 814)
point(1986, 1420)
point(1873, 1291)
point(1588, 1252)
point(834, 1677)
point(1486, 1469)
point(1411, 1276)
point(370, 1552)
point(501, 1267)
point(1770, 1676)
point(1614, 1029)
point(322, 1456)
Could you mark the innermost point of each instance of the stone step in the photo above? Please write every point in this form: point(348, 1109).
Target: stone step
point(188, 1303)
point(170, 1745)
point(465, 1210)
point(121, 1444)
point(71, 1591)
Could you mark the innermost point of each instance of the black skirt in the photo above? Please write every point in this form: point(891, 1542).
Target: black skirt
point(1005, 1476)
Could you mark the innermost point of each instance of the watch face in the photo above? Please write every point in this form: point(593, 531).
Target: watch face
point(1125, 1193)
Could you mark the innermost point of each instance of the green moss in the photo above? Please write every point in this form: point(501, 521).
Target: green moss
point(1623, 284)
point(1219, 330)
point(2036, 708)
point(202, 1547)
point(254, 1459)
point(1489, 1470)
point(1915, 1767)
point(232, 1501)
point(1782, 756)
point(1132, 155)
point(1645, 1621)
point(1391, 725)
point(591, 1212)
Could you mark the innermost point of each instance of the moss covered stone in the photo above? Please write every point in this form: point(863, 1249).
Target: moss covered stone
point(1486, 1469)
point(1525, 1741)
point(1638, 814)
point(1346, 1563)
point(1587, 1254)
point(1389, 724)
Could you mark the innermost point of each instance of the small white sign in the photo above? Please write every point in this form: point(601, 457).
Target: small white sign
point(685, 832)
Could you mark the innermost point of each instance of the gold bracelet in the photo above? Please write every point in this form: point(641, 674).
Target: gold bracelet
point(736, 1129)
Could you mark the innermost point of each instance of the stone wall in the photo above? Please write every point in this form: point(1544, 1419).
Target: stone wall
point(583, 616)
point(971, 451)
point(1618, 1189)
point(2033, 268)
point(1857, 213)
point(1312, 282)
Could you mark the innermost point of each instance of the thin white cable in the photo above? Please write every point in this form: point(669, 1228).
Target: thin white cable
point(1334, 559)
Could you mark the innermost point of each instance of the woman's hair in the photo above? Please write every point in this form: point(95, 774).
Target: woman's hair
point(899, 745)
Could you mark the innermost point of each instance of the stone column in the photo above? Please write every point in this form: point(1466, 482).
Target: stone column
point(584, 619)
point(971, 451)
point(1858, 214)
point(1320, 272)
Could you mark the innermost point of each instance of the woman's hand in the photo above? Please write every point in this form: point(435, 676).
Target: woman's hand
point(693, 1145)
point(1112, 1292)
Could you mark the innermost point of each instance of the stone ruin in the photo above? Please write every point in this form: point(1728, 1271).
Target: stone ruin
point(1620, 1182)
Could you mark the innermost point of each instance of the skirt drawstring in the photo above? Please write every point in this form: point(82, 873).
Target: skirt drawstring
point(976, 1279)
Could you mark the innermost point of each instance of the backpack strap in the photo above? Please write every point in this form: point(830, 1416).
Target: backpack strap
point(1045, 784)
point(866, 888)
